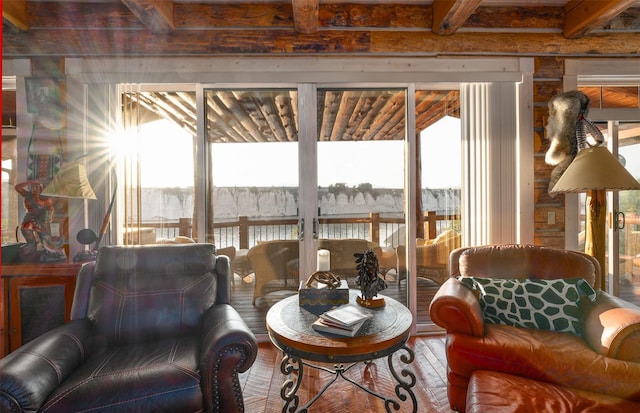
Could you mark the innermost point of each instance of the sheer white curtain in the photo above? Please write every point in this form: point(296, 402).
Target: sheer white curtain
point(490, 163)
point(129, 150)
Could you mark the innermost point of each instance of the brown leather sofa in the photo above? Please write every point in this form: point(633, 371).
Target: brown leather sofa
point(604, 360)
point(151, 330)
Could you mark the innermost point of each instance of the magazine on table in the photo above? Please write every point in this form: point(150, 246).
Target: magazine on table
point(346, 315)
point(321, 326)
point(345, 320)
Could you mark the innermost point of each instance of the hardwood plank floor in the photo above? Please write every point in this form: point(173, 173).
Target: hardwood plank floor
point(262, 383)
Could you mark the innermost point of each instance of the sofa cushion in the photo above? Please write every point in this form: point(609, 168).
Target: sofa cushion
point(136, 294)
point(495, 392)
point(532, 303)
point(157, 375)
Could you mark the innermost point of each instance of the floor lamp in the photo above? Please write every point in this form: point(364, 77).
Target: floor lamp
point(595, 170)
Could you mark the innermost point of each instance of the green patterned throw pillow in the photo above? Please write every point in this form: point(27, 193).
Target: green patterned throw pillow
point(532, 303)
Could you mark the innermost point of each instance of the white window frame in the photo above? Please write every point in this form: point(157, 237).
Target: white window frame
point(508, 176)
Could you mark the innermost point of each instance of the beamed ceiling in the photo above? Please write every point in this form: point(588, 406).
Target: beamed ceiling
point(41, 30)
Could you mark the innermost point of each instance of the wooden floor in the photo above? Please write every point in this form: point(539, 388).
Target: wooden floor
point(262, 383)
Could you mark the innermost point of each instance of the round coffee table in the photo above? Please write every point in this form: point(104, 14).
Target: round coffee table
point(384, 335)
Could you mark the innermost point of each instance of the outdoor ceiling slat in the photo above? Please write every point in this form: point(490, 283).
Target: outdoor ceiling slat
point(15, 11)
point(328, 104)
point(258, 110)
point(391, 114)
point(221, 124)
point(583, 16)
point(155, 105)
point(287, 106)
point(157, 15)
point(180, 106)
point(305, 15)
point(367, 109)
point(269, 111)
point(347, 104)
point(450, 15)
point(242, 117)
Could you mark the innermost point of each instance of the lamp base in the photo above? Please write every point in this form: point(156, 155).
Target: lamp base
point(85, 256)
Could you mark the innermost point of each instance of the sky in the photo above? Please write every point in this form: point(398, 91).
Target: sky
point(379, 163)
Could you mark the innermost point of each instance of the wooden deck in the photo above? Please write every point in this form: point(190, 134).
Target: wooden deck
point(242, 295)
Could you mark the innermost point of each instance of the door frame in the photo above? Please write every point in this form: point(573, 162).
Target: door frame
point(89, 81)
point(601, 72)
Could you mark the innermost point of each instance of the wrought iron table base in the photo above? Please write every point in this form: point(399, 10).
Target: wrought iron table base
point(294, 365)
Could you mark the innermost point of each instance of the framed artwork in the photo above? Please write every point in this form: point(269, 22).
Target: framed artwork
point(43, 100)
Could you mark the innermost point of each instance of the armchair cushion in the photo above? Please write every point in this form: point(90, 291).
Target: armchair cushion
point(543, 304)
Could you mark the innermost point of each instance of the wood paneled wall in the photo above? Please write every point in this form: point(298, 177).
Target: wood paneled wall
point(547, 82)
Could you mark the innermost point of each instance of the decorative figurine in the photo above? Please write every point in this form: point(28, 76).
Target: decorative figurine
point(36, 225)
point(368, 279)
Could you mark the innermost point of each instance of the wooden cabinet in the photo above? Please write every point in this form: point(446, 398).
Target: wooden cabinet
point(35, 299)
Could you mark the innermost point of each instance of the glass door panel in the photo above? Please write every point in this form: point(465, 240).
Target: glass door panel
point(158, 197)
point(629, 204)
point(439, 181)
point(360, 156)
point(252, 211)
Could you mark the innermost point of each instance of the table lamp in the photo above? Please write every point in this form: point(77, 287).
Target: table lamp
point(72, 182)
point(595, 170)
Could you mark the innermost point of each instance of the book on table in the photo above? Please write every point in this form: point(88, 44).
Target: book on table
point(321, 326)
point(345, 320)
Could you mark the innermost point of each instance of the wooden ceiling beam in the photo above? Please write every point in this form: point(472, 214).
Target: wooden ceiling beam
point(15, 12)
point(450, 15)
point(157, 15)
point(305, 15)
point(582, 16)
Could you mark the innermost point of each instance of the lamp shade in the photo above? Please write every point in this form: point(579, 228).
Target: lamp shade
point(595, 168)
point(70, 182)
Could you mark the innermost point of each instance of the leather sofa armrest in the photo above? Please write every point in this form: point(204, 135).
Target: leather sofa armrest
point(456, 308)
point(612, 327)
point(81, 294)
point(228, 348)
point(223, 279)
point(33, 371)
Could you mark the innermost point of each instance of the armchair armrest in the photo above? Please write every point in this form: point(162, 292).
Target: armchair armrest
point(456, 308)
point(612, 327)
point(34, 370)
point(228, 348)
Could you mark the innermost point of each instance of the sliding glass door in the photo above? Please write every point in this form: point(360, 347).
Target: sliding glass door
point(252, 196)
point(360, 180)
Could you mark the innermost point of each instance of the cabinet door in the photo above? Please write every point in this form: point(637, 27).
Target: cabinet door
point(38, 304)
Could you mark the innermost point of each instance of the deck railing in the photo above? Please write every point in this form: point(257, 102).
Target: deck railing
point(245, 232)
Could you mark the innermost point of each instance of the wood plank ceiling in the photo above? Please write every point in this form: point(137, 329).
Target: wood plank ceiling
point(33, 28)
